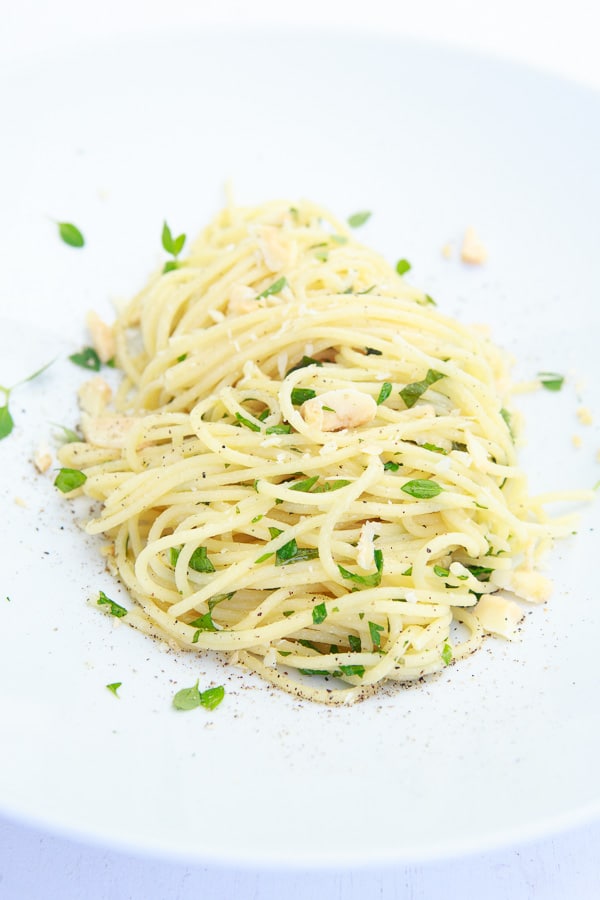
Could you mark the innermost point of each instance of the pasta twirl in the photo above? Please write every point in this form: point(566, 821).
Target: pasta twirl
point(308, 466)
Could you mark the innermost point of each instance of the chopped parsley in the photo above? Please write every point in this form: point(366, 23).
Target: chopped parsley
point(482, 573)
point(291, 553)
point(283, 428)
point(384, 393)
point(552, 381)
point(354, 643)
point(113, 608)
point(247, 422)
point(301, 395)
point(447, 654)
point(359, 671)
point(200, 562)
point(411, 393)
point(274, 288)
point(114, 687)
point(372, 580)
point(403, 266)
point(319, 613)
point(305, 361)
point(87, 359)
point(304, 485)
point(203, 623)
point(375, 632)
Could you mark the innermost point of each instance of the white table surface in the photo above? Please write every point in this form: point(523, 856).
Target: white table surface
point(560, 36)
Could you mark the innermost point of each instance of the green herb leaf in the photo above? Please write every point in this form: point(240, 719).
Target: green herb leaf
point(408, 572)
point(331, 486)
point(551, 380)
point(323, 672)
point(284, 428)
point(187, 698)
point(372, 580)
point(310, 644)
point(68, 435)
point(174, 555)
point(263, 558)
point(204, 623)
point(114, 687)
point(430, 300)
point(319, 613)
point(353, 670)
point(114, 608)
point(305, 361)
point(447, 654)
point(355, 643)
point(172, 245)
point(391, 466)
point(301, 395)
point(247, 422)
point(359, 218)
point(275, 288)
point(422, 489)
point(70, 234)
point(411, 393)
point(322, 255)
point(218, 598)
point(211, 697)
point(403, 266)
point(508, 420)
point(482, 573)
point(87, 359)
point(6, 422)
point(441, 572)
point(291, 553)
point(200, 562)
point(370, 351)
point(384, 393)
point(304, 485)
point(434, 448)
point(69, 479)
point(375, 632)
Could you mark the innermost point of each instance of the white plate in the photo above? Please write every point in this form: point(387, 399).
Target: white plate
point(499, 748)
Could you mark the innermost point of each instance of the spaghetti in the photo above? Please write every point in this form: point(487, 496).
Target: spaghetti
point(307, 466)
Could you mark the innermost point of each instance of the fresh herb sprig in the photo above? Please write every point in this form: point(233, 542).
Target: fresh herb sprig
point(173, 245)
point(192, 697)
point(6, 420)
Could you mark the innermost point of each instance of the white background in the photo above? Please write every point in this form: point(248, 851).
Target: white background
point(555, 35)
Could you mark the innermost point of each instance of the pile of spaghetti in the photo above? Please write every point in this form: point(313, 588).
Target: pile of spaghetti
point(306, 466)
